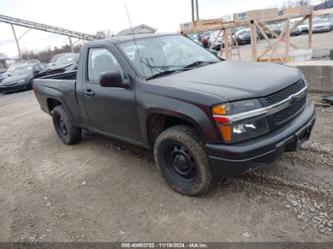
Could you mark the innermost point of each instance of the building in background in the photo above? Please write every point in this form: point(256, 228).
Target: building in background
point(141, 29)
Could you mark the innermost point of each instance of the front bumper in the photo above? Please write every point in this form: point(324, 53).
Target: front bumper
point(230, 160)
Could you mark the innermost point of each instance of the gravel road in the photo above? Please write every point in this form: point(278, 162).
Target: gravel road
point(103, 190)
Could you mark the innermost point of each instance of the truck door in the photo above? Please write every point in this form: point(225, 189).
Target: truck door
point(110, 110)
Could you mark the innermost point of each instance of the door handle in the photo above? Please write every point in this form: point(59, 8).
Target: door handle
point(89, 92)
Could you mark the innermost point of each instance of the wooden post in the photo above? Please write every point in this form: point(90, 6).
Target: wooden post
point(310, 32)
point(222, 36)
point(270, 44)
point(226, 43)
point(287, 38)
point(16, 41)
point(253, 41)
point(238, 51)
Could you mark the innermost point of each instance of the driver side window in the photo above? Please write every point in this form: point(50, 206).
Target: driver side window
point(101, 60)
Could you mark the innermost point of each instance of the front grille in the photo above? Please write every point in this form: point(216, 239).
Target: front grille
point(281, 117)
point(283, 94)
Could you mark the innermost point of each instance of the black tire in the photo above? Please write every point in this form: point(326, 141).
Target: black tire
point(181, 157)
point(67, 132)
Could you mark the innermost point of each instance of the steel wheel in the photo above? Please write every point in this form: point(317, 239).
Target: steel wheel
point(180, 161)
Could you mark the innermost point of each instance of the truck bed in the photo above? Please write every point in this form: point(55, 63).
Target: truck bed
point(65, 76)
point(57, 86)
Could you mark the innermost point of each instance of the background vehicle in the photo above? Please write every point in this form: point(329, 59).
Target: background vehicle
point(321, 25)
point(194, 37)
point(204, 38)
point(15, 65)
point(62, 62)
point(243, 36)
point(215, 40)
point(20, 78)
point(276, 28)
point(3, 76)
point(297, 31)
point(330, 20)
point(304, 28)
point(201, 116)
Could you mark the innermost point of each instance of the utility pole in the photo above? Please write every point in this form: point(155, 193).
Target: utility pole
point(195, 10)
point(17, 43)
point(192, 8)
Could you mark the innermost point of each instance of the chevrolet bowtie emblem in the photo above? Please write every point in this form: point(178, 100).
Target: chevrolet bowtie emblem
point(293, 99)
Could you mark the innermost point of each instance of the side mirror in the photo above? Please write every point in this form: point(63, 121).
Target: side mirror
point(112, 79)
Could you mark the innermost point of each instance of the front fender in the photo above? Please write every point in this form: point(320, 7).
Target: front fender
point(197, 115)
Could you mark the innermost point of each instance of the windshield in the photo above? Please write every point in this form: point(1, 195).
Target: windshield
point(156, 55)
point(63, 59)
point(22, 71)
point(12, 67)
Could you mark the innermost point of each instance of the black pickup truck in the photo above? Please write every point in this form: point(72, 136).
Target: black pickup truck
point(204, 117)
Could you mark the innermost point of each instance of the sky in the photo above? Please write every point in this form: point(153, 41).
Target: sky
point(91, 16)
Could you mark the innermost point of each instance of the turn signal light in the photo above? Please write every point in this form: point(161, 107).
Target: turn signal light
point(226, 132)
point(219, 110)
point(219, 115)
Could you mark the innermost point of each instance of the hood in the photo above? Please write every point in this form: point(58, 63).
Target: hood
point(229, 81)
point(13, 79)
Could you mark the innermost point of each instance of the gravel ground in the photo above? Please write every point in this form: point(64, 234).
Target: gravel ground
point(103, 190)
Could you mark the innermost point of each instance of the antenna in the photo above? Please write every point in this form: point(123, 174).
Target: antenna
point(134, 39)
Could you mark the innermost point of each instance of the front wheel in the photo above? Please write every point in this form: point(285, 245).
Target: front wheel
point(67, 132)
point(180, 155)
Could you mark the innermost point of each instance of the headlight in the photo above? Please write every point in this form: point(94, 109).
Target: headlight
point(303, 78)
point(249, 129)
point(20, 81)
point(239, 121)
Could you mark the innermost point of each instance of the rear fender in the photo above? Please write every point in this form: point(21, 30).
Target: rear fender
point(57, 95)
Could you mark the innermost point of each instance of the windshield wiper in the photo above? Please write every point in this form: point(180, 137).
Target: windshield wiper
point(190, 66)
point(162, 73)
point(198, 63)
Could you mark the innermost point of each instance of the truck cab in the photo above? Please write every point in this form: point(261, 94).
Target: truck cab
point(203, 117)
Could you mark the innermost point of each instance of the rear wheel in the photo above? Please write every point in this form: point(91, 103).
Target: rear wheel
point(67, 132)
point(181, 157)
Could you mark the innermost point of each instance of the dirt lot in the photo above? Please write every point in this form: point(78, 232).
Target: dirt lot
point(101, 190)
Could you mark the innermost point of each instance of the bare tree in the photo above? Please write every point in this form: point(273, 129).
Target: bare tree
point(104, 34)
point(303, 3)
point(46, 54)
